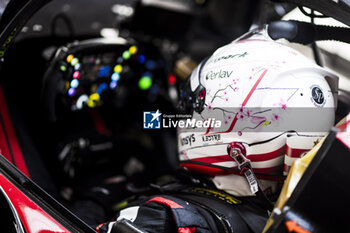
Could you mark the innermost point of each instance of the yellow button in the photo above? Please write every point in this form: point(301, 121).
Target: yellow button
point(94, 100)
point(70, 58)
point(118, 68)
point(67, 85)
point(133, 49)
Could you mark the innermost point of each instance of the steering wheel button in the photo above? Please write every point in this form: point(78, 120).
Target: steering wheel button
point(126, 55)
point(77, 66)
point(141, 59)
point(94, 100)
point(104, 71)
point(115, 77)
point(74, 83)
point(82, 100)
point(145, 83)
point(63, 68)
point(70, 58)
point(71, 92)
point(74, 61)
point(76, 75)
point(102, 87)
point(118, 68)
point(113, 84)
point(119, 60)
point(93, 88)
point(133, 49)
point(151, 64)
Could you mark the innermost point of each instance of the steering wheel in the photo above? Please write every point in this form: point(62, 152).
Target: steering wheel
point(93, 73)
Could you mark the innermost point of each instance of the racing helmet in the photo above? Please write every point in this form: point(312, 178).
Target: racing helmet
point(254, 105)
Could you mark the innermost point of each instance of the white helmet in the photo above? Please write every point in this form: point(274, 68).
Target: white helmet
point(258, 97)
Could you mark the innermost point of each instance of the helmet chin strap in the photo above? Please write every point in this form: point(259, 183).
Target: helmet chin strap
point(237, 152)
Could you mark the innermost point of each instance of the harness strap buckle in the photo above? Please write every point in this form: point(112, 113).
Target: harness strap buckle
point(237, 152)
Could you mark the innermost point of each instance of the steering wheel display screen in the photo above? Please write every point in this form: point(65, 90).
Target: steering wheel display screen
point(98, 66)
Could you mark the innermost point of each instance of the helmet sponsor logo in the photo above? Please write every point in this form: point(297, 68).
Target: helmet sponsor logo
point(230, 56)
point(211, 138)
point(188, 140)
point(211, 75)
point(317, 96)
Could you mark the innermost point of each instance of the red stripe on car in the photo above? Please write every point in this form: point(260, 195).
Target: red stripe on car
point(16, 150)
point(167, 202)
